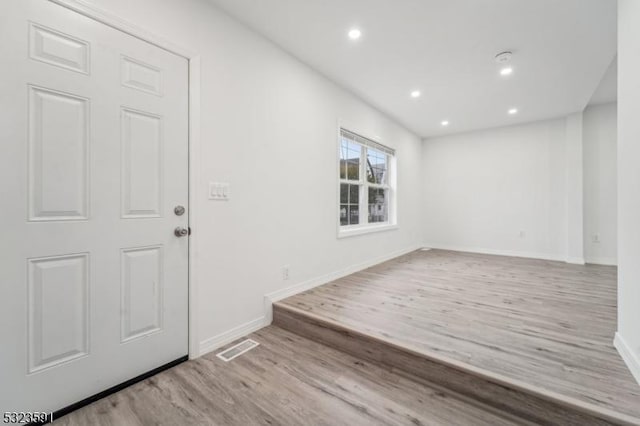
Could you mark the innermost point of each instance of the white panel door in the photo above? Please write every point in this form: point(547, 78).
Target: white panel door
point(94, 131)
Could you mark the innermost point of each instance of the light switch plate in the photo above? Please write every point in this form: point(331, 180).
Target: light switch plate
point(219, 191)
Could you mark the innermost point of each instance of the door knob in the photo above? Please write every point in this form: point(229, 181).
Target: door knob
point(181, 232)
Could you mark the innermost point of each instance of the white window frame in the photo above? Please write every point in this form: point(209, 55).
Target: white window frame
point(363, 226)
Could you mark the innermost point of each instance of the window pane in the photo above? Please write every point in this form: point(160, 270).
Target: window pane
point(349, 214)
point(354, 194)
point(344, 193)
point(376, 166)
point(349, 207)
point(378, 205)
point(349, 194)
point(354, 214)
point(350, 160)
point(344, 218)
point(353, 166)
point(343, 155)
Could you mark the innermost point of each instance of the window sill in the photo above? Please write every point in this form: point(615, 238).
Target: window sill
point(370, 229)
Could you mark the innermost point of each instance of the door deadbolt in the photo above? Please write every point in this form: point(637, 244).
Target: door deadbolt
point(179, 210)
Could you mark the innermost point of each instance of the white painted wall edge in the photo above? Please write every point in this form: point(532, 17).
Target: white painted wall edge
point(628, 356)
point(512, 253)
point(194, 178)
point(275, 296)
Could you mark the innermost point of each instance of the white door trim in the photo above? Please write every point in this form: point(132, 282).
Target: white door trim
point(118, 23)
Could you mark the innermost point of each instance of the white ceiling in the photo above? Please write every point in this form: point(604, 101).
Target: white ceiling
point(446, 49)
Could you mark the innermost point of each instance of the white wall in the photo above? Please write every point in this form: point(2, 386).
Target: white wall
point(574, 192)
point(498, 191)
point(542, 189)
point(628, 337)
point(269, 128)
point(600, 183)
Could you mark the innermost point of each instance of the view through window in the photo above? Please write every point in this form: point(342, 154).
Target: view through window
point(365, 189)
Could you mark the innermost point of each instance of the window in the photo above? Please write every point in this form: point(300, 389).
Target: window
point(366, 189)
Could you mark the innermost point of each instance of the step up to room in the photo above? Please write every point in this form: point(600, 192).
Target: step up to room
point(506, 394)
point(531, 337)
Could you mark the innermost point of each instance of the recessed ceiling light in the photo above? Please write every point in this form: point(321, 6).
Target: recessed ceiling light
point(513, 111)
point(445, 123)
point(506, 71)
point(354, 34)
point(415, 94)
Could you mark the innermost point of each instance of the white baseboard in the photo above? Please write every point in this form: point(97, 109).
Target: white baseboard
point(277, 295)
point(631, 358)
point(513, 253)
point(215, 342)
point(607, 261)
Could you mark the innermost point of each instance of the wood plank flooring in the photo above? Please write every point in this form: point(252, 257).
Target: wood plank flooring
point(548, 324)
point(508, 395)
point(287, 380)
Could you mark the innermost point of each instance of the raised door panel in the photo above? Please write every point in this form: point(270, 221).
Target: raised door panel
point(58, 310)
point(140, 76)
point(142, 164)
point(141, 290)
point(58, 156)
point(59, 49)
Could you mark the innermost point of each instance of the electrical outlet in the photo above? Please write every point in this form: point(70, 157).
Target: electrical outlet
point(285, 272)
point(521, 234)
point(595, 238)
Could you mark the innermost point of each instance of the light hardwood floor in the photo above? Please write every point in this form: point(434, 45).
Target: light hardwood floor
point(548, 324)
point(287, 380)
